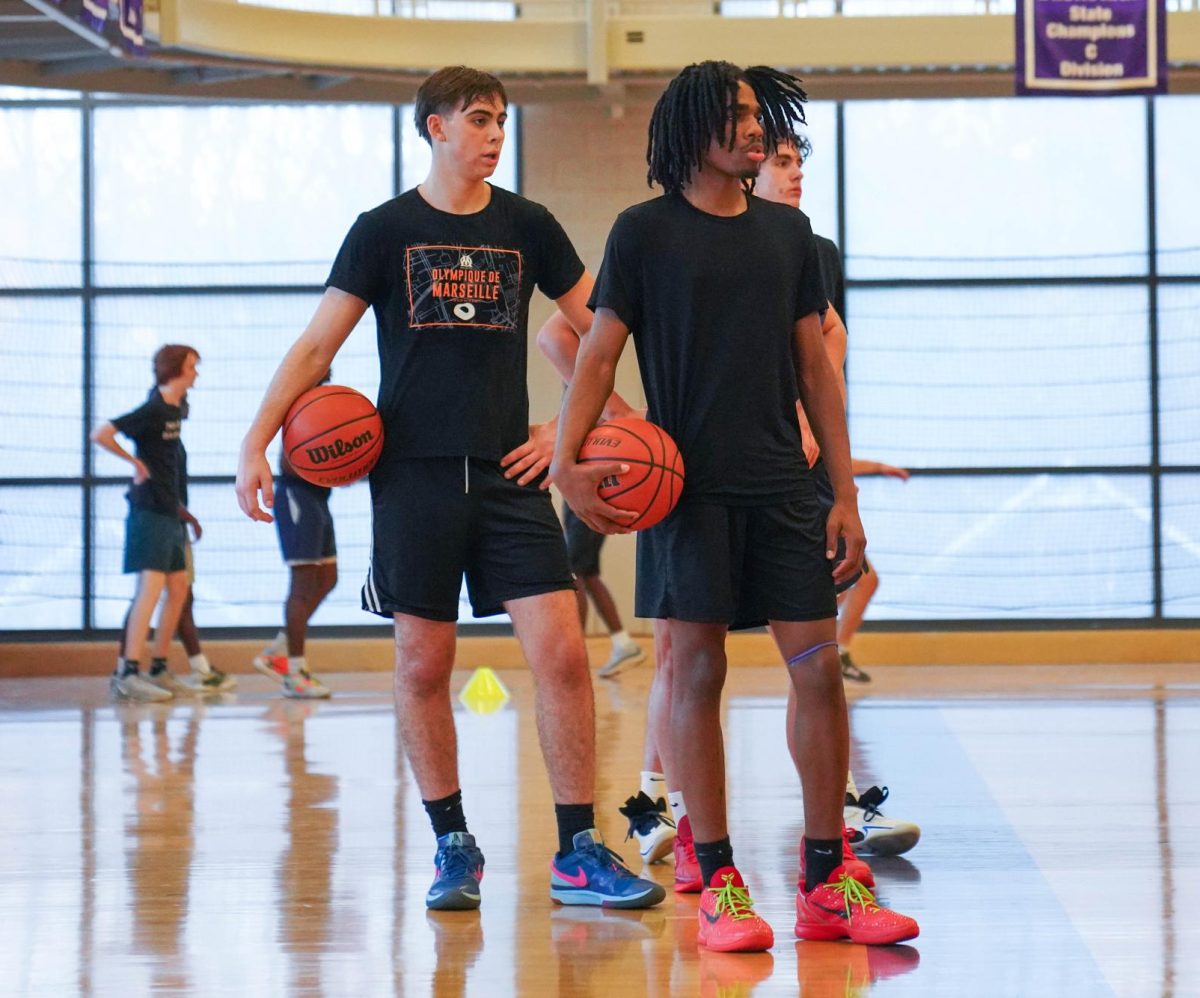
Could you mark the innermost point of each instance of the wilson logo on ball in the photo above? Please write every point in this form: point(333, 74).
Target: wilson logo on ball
point(339, 448)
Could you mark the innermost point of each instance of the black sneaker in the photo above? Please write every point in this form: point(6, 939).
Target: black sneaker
point(851, 671)
point(650, 826)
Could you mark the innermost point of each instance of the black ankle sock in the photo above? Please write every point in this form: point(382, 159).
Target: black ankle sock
point(572, 818)
point(712, 856)
point(446, 814)
point(821, 858)
point(129, 667)
point(158, 666)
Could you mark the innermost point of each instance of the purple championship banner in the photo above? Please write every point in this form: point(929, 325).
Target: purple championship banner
point(1081, 47)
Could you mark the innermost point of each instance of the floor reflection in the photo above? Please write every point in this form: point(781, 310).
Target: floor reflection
point(265, 846)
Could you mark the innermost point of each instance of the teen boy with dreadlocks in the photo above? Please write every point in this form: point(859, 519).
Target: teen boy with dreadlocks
point(456, 491)
point(723, 294)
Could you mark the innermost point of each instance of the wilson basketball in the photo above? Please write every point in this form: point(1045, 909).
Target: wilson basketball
point(332, 435)
point(654, 482)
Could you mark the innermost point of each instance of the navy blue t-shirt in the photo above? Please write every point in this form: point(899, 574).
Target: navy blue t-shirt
point(154, 429)
point(451, 300)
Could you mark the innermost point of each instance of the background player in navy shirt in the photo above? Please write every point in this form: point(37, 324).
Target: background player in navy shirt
point(155, 531)
point(449, 269)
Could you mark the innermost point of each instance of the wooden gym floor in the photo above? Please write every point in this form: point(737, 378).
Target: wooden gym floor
point(267, 847)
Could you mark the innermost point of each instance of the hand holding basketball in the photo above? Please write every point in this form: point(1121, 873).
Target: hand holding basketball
point(580, 488)
point(651, 481)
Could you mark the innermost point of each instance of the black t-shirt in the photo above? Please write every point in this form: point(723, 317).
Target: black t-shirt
point(835, 291)
point(712, 304)
point(451, 298)
point(154, 429)
point(831, 273)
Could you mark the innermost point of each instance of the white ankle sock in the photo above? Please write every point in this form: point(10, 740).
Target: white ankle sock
point(678, 810)
point(621, 640)
point(199, 663)
point(277, 645)
point(296, 665)
point(654, 785)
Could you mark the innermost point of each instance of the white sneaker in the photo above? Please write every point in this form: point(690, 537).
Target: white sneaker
point(870, 831)
point(649, 826)
point(304, 686)
point(137, 687)
point(626, 655)
point(180, 686)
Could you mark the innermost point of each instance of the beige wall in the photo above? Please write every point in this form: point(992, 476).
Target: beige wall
point(586, 164)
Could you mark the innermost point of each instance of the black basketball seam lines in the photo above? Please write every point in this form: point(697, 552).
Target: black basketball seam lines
point(291, 418)
point(329, 429)
point(631, 460)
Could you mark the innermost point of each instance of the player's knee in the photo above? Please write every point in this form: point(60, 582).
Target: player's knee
point(563, 663)
point(423, 675)
point(703, 678)
point(818, 673)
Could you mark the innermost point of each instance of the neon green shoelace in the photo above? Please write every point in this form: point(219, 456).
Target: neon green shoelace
point(734, 899)
point(854, 893)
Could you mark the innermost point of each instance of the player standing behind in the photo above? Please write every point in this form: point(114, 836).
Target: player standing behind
point(449, 269)
point(781, 179)
point(309, 549)
point(722, 294)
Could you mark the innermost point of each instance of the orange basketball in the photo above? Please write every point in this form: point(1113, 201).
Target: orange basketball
point(653, 484)
point(332, 435)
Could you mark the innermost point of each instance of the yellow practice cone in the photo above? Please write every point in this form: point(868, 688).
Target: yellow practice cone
point(484, 693)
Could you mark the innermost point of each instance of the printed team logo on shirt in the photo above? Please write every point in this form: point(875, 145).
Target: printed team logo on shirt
point(463, 286)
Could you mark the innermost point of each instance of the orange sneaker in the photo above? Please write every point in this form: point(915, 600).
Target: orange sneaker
point(727, 919)
point(856, 867)
point(842, 908)
point(274, 666)
point(687, 867)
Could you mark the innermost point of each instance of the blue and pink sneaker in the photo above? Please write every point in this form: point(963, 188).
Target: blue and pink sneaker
point(591, 873)
point(459, 865)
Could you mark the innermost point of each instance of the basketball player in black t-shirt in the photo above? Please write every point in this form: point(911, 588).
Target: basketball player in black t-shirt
point(449, 269)
point(722, 293)
point(155, 530)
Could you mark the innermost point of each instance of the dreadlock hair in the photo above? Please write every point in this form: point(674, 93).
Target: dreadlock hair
point(698, 107)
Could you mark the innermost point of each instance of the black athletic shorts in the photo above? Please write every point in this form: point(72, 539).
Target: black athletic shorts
point(436, 519)
point(583, 545)
point(824, 487)
point(736, 565)
point(303, 522)
point(154, 541)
